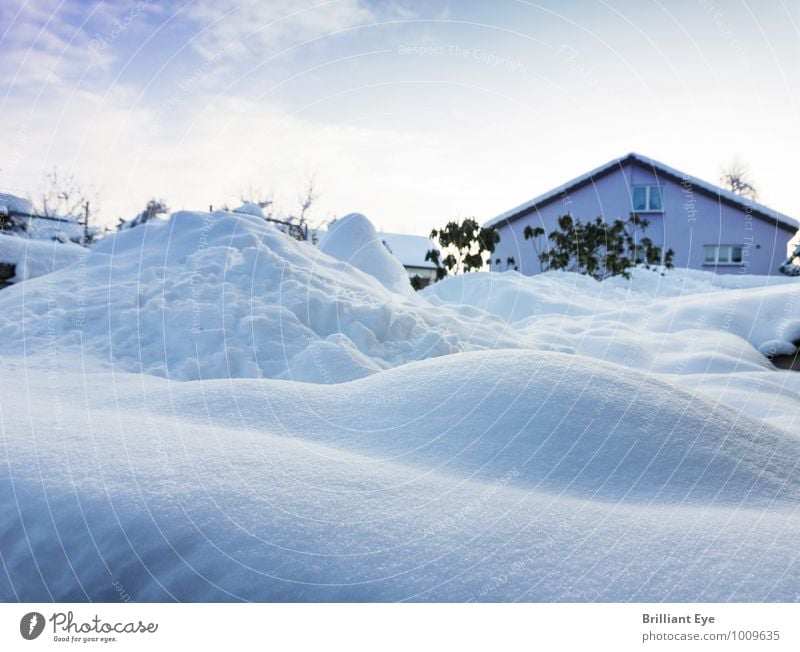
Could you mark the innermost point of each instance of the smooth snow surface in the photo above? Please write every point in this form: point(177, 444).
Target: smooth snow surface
point(426, 482)
point(494, 437)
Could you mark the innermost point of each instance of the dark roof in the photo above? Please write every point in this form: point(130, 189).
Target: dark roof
point(703, 187)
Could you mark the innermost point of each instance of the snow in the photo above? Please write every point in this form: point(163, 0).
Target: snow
point(409, 249)
point(57, 229)
point(494, 437)
point(36, 257)
point(425, 482)
point(353, 239)
point(13, 204)
point(217, 295)
point(250, 209)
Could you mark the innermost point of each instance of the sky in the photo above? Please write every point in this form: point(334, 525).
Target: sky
point(413, 113)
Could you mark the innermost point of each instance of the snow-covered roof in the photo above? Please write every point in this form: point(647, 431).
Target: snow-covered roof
point(725, 196)
point(33, 257)
point(40, 227)
point(13, 204)
point(63, 230)
point(410, 249)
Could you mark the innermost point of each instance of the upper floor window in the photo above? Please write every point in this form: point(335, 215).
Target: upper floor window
point(647, 198)
point(722, 254)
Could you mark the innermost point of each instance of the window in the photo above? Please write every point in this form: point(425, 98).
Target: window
point(722, 255)
point(647, 198)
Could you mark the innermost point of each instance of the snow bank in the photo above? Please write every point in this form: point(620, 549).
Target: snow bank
point(250, 209)
point(354, 240)
point(482, 476)
point(495, 437)
point(683, 322)
point(219, 295)
point(37, 257)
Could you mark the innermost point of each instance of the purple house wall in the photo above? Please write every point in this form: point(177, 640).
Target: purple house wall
point(707, 227)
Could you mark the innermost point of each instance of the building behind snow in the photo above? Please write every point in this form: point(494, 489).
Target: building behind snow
point(707, 227)
point(32, 245)
point(411, 250)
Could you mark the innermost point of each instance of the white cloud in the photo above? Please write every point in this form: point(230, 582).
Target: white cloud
point(44, 43)
point(267, 27)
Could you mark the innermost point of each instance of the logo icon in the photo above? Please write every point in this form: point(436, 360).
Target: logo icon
point(31, 625)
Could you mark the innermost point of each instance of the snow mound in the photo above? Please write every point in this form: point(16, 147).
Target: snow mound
point(354, 240)
point(683, 322)
point(250, 209)
point(34, 258)
point(480, 476)
point(590, 430)
point(220, 295)
point(14, 204)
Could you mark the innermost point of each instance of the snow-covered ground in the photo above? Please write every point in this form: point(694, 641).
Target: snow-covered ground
point(495, 437)
point(33, 258)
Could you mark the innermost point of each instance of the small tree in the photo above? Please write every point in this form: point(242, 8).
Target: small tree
point(792, 265)
point(598, 249)
point(60, 195)
point(305, 200)
point(466, 246)
point(736, 177)
point(252, 195)
point(153, 208)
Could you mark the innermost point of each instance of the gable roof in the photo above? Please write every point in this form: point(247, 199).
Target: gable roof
point(703, 187)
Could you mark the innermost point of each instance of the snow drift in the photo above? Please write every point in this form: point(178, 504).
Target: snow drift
point(227, 295)
point(494, 437)
point(426, 482)
point(33, 258)
point(354, 240)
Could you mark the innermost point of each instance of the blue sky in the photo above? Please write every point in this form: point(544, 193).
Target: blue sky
point(412, 113)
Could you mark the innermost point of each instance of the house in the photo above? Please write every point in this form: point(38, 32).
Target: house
point(33, 245)
point(410, 250)
point(707, 227)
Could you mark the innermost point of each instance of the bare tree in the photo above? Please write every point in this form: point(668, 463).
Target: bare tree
point(253, 195)
point(305, 200)
point(60, 195)
point(295, 223)
point(307, 197)
point(154, 208)
point(736, 177)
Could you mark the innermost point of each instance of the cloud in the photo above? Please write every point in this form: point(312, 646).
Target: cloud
point(268, 27)
point(43, 43)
